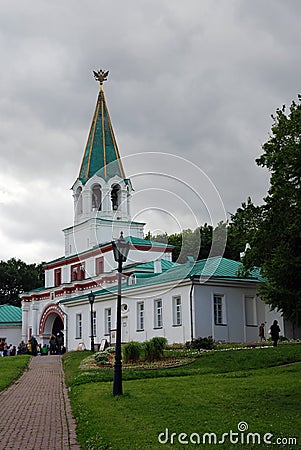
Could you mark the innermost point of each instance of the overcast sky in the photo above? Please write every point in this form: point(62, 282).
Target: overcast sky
point(198, 80)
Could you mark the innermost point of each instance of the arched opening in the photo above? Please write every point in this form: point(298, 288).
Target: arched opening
point(79, 200)
point(96, 197)
point(115, 196)
point(57, 326)
point(51, 323)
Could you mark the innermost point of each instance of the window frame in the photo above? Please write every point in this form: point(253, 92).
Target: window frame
point(99, 265)
point(220, 318)
point(78, 326)
point(57, 277)
point(177, 319)
point(140, 316)
point(158, 313)
point(253, 321)
point(79, 270)
point(108, 320)
point(96, 197)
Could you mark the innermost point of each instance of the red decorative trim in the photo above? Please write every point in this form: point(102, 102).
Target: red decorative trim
point(152, 248)
point(100, 251)
point(50, 309)
point(78, 258)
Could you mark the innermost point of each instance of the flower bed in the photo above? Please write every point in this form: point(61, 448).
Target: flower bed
point(92, 363)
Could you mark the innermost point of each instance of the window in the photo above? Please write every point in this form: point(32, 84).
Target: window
point(99, 265)
point(115, 196)
point(250, 311)
point(177, 311)
point(79, 200)
point(158, 314)
point(108, 320)
point(96, 198)
point(219, 310)
point(78, 272)
point(94, 323)
point(57, 277)
point(74, 273)
point(140, 316)
point(78, 326)
point(132, 280)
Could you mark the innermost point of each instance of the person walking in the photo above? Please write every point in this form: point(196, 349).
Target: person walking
point(275, 332)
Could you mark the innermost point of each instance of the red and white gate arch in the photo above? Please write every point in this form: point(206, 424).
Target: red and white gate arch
point(48, 317)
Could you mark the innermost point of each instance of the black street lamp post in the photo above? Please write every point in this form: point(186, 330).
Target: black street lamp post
point(121, 250)
point(91, 297)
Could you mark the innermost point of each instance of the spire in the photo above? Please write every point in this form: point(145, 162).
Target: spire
point(101, 153)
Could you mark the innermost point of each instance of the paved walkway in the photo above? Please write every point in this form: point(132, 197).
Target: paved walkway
point(35, 411)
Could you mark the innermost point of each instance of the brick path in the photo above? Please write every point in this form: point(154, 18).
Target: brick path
point(35, 411)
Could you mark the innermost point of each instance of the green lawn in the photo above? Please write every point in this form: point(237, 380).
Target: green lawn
point(11, 368)
point(214, 394)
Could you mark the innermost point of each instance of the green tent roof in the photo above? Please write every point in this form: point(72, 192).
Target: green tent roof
point(101, 154)
point(10, 315)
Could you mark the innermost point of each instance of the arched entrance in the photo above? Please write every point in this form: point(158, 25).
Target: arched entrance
point(58, 326)
point(52, 322)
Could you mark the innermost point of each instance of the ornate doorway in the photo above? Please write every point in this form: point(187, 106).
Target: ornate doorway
point(52, 322)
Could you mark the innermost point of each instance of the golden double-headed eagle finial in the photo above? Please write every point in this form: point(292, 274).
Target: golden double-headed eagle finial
point(101, 76)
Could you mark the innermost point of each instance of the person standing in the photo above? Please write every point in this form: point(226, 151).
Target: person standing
point(275, 332)
point(34, 346)
point(261, 332)
point(52, 344)
point(59, 343)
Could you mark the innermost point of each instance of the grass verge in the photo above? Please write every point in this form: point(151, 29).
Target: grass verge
point(212, 395)
point(11, 368)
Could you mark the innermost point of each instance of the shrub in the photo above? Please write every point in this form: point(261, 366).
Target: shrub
point(132, 351)
point(105, 357)
point(206, 343)
point(154, 348)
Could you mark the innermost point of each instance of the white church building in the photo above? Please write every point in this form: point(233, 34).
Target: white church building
point(159, 298)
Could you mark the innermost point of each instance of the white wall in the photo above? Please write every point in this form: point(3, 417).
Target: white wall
point(11, 334)
point(236, 328)
point(129, 318)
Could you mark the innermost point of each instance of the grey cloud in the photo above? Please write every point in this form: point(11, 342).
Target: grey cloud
point(198, 80)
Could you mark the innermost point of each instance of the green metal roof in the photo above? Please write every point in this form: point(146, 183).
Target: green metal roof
point(10, 315)
point(215, 268)
point(140, 241)
point(133, 240)
point(222, 268)
point(149, 266)
point(101, 154)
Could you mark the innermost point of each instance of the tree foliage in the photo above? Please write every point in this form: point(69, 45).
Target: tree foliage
point(243, 228)
point(16, 277)
point(200, 243)
point(196, 243)
point(276, 245)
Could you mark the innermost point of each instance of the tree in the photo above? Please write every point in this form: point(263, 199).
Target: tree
point(185, 244)
point(276, 246)
point(243, 228)
point(17, 277)
point(196, 243)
